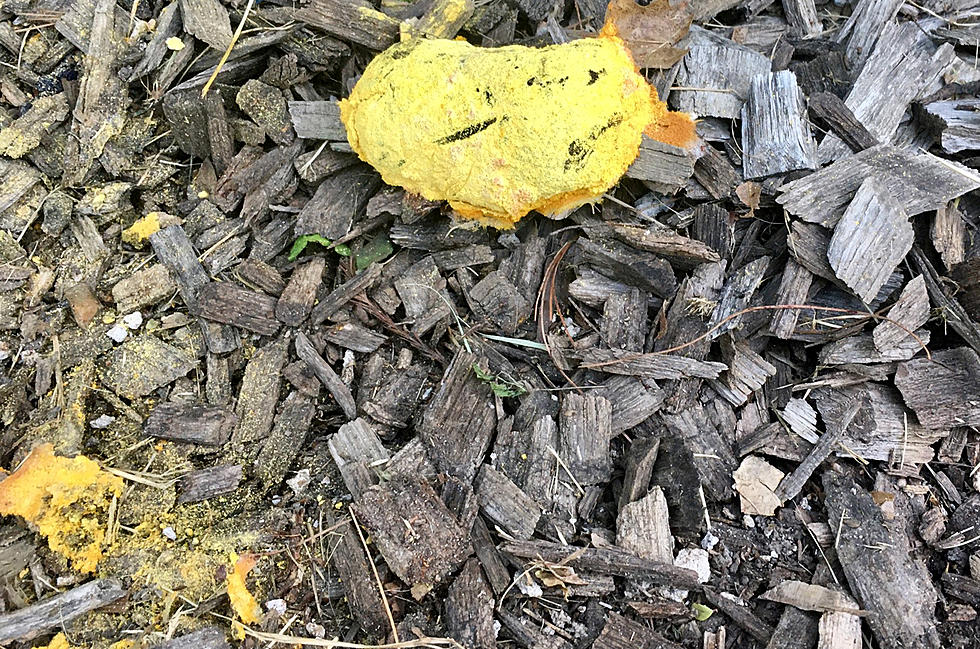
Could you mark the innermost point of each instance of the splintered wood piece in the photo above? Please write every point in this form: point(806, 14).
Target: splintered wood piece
point(633, 400)
point(203, 484)
point(640, 269)
point(791, 486)
point(861, 349)
point(357, 577)
point(353, 336)
point(352, 20)
point(717, 175)
point(640, 459)
point(610, 561)
point(959, 122)
point(801, 418)
point(840, 631)
point(919, 183)
point(143, 288)
point(317, 120)
point(652, 366)
point(357, 450)
point(338, 201)
point(34, 620)
point(944, 391)
point(459, 421)
point(740, 615)
point(870, 240)
point(622, 633)
point(496, 299)
point(486, 553)
point(504, 504)
point(330, 380)
point(286, 439)
point(624, 321)
point(802, 17)
point(266, 106)
point(705, 427)
point(796, 630)
point(736, 295)
point(664, 167)
point(585, 429)
point(953, 312)
point(208, 21)
point(948, 233)
point(712, 63)
point(174, 250)
point(594, 288)
point(418, 536)
point(142, 364)
point(643, 527)
point(776, 134)
point(346, 292)
point(905, 63)
point(422, 290)
point(895, 588)
point(794, 287)
point(296, 300)
point(685, 253)
point(259, 394)
point(524, 630)
point(911, 311)
point(831, 109)
point(208, 425)
point(882, 429)
point(469, 609)
point(231, 304)
point(747, 372)
point(864, 26)
point(812, 597)
point(211, 637)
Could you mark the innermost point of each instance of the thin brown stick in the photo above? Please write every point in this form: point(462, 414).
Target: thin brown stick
point(766, 307)
point(377, 578)
point(337, 644)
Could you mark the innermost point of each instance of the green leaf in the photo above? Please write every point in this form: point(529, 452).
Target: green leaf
point(501, 389)
point(300, 244)
point(375, 250)
point(701, 612)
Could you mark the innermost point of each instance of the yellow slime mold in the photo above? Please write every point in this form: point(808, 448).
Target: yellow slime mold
point(499, 132)
point(67, 499)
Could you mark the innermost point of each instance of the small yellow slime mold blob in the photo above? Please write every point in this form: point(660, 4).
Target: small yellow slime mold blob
point(242, 601)
point(499, 132)
point(67, 499)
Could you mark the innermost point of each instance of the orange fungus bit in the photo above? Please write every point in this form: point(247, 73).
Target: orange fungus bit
point(499, 132)
point(67, 499)
point(242, 601)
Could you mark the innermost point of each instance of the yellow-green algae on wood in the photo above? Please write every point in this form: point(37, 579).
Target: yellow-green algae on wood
point(499, 132)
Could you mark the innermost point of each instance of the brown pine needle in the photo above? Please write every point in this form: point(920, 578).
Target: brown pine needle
point(224, 58)
point(337, 644)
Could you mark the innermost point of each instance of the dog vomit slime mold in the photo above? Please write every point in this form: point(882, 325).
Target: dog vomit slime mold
point(499, 132)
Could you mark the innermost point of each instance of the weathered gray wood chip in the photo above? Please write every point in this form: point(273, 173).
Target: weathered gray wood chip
point(870, 240)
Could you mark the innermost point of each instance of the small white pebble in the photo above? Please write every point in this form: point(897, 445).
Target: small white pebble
point(277, 606)
point(133, 320)
point(316, 630)
point(300, 481)
point(709, 541)
point(102, 421)
point(118, 333)
point(748, 521)
point(169, 533)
